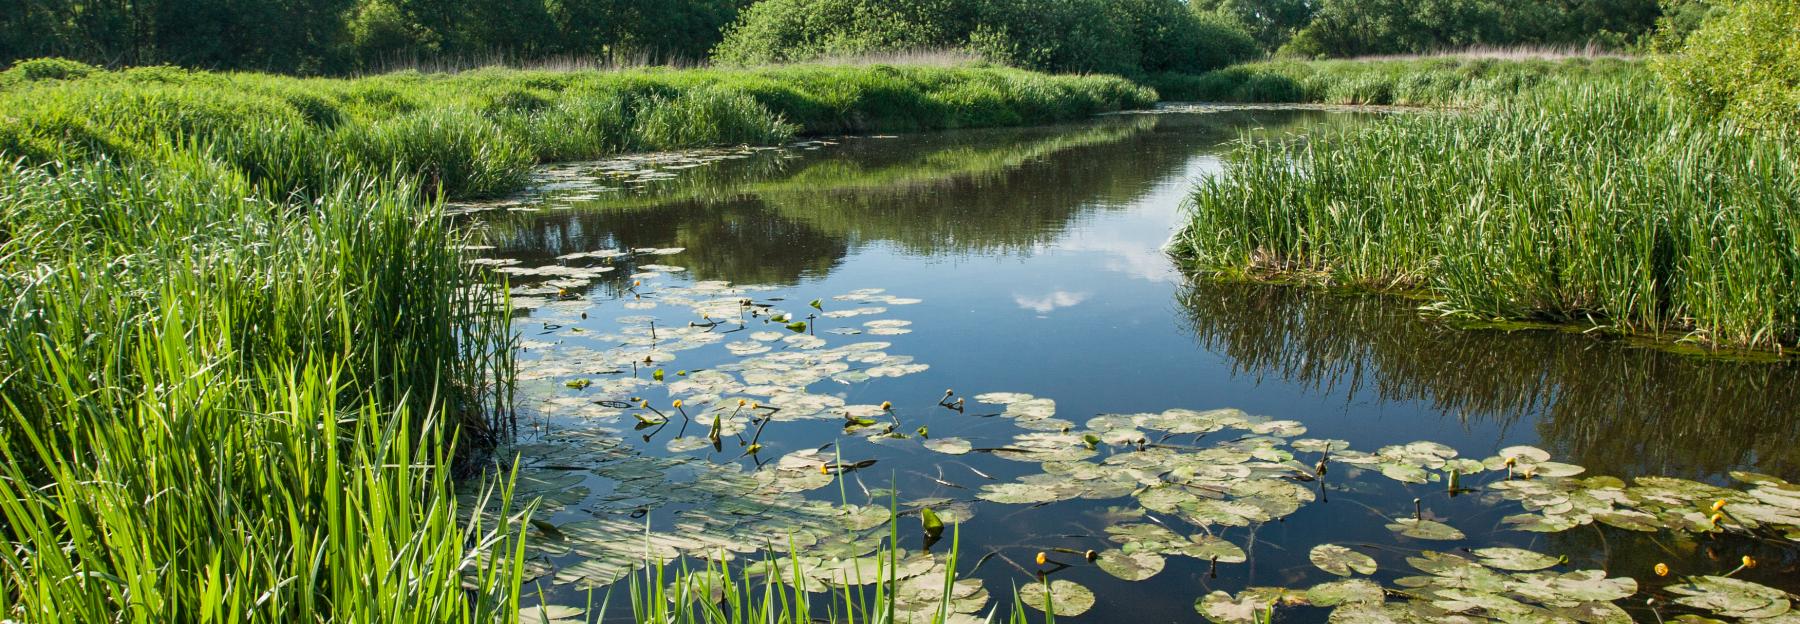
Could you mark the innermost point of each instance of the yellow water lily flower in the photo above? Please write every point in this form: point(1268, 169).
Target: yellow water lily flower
point(885, 405)
point(1749, 562)
point(1042, 558)
point(1718, 505)
point(678, 403)
point(823, 470)
point(1716, 519)
point(1662, 569)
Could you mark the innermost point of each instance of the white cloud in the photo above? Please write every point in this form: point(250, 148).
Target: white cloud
point(1049, 302)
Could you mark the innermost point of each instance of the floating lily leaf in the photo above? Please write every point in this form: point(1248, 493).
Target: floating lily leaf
point(1340, 560)
point(1212, 548)
point(1731, 597)
point(1425, 529)
point(1347, 591)
point(1065, 597)
point(1130, 566)
point(948, 446)
point(1003, 398)
point(1250, 606)
point(1516, 559)
point(550, 614)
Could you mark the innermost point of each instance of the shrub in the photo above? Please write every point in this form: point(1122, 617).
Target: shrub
point(1743, 63)
point(1115, 36)
point(45, 69)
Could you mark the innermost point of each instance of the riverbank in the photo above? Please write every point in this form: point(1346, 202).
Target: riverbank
point(246, 348)
point(1601, 203)
point(478, 133)
point(1439, 81)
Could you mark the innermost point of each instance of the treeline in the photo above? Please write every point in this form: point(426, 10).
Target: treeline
point(1130, 37)
point(340, 36)
point(1115, 36)
point(1342, 28)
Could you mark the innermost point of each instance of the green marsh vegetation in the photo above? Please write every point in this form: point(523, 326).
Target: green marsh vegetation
point(1605, 202)
point(247, 356)
point(478, 133)
point(229, 408)
point(1450, 80)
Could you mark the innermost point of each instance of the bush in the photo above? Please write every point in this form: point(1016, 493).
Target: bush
point(45, 69)
point(452, 148)
point(1743, 63)
point(1114, 36)
point(708, 115)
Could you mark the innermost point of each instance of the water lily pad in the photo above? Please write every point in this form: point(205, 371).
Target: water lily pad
point(1347, 591)
point(1064, 597)
point(1341, 561)
point(949, 446)
point(1130, 566)
point(1249, 606)
point(1516, 559)
point(1731, 597)
point(1425, 529)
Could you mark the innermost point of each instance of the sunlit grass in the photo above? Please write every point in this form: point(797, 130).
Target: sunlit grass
point(477, 133)
point(221, 408)
point(1451, 80)
point(1598, 204)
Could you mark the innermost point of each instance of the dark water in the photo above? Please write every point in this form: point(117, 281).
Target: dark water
point(1036, 255)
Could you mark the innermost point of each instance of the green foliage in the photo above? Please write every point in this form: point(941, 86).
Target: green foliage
point(340, 36)
point(477, 133)
point(1415, 82)
point(1743, 63)
point(1594, 203)
point(1369, 27)
point(1270, 22)
point(225, 408)
point(1118, 36)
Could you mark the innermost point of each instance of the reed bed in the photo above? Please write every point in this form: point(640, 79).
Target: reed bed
point(223, 408)
point(1468, 79)
point(477, 133)
point(1597, 203)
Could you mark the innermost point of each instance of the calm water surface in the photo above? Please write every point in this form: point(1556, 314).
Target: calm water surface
point(1036, 258)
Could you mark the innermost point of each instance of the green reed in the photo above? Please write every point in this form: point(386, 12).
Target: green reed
point(1589, 203)
point(477, 133)
point(222, 408)
point(773, 591)
point(1428, 81)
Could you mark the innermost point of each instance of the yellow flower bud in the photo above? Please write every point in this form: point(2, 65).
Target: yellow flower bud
point(885, 405)
point(1512, 461)
point(1749, 562)
point(1718, 505)
point(677, 403)
point(823, 470)
point(1662, 569)
point(1716, 519)
point(742, 402)
point(1042, 558)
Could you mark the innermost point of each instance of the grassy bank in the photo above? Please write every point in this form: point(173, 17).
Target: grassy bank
point(243, 346)
point(223, 408)
point(1424, 81)
point(1597, 203)
point(477, 133)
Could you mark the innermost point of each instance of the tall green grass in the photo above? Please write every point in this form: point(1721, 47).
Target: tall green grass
point(223, 408)
point(477, 133)
point(1427, 81)
point(1601, 204)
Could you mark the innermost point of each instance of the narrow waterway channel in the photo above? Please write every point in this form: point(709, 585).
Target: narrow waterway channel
point(1109, 401)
